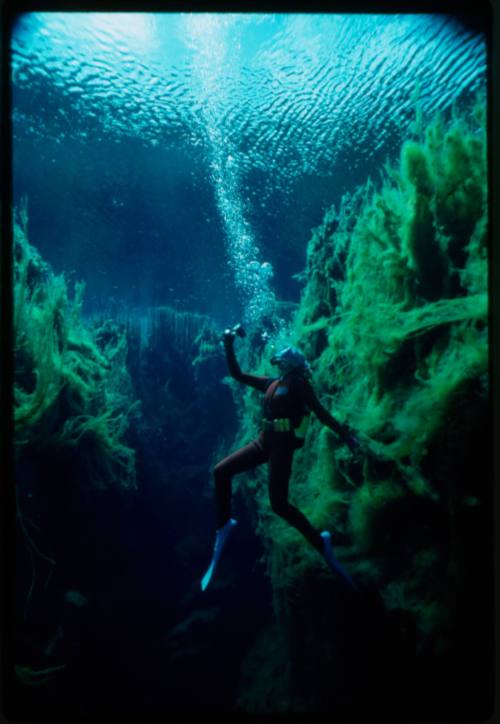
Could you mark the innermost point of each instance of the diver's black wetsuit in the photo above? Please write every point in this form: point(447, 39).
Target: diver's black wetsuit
point(290, 396)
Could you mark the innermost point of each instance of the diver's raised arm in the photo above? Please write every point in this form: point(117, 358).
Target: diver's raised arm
point(258, 382)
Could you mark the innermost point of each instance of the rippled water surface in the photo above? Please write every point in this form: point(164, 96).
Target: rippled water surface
point(264, 107)
point(322, 84)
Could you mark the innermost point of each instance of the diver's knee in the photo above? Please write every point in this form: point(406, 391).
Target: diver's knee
point(219, 473)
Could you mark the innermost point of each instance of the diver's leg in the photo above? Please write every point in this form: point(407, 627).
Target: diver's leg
point(280, 468)
point(246, 458)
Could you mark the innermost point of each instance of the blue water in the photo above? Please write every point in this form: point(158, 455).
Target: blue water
point(182, 159)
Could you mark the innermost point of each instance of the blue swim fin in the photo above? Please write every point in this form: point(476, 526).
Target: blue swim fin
point(333, 562)
point(220, 540)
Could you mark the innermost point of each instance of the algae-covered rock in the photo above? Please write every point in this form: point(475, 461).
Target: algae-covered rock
point(71, 387)
point(393, 317)
point(73, 407)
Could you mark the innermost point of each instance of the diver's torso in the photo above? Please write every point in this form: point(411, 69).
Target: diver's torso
point(283, 399)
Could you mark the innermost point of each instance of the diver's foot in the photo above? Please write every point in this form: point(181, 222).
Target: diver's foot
point(333, 563)
point(220, 540)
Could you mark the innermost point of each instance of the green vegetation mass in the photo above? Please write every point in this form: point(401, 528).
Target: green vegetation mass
point(71, 388)
point(393, 317)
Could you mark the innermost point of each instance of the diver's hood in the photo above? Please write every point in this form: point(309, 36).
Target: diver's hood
point(291, 359)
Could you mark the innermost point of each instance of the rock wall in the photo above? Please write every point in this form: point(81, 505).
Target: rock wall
point(394, 319)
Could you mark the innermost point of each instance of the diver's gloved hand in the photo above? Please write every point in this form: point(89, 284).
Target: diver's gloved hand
point(229, 334)
point(350, 439)
point(353, 443)
point(228, 337)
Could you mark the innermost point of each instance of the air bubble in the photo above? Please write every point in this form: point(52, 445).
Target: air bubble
point(266, 270)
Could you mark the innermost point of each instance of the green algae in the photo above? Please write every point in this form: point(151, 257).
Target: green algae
point(71, 387)
point(393, 317)
point(409, 324)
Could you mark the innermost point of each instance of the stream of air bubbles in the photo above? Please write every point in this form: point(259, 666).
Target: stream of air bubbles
point(214, 42)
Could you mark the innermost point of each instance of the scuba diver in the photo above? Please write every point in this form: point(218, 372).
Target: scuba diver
point(287, 402)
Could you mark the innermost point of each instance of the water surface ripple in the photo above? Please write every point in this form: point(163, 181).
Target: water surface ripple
point(294, 93)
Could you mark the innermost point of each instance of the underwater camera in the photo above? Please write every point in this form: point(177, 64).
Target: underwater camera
point(236, 330)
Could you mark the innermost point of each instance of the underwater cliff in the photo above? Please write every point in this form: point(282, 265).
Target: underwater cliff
point(394, 318)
